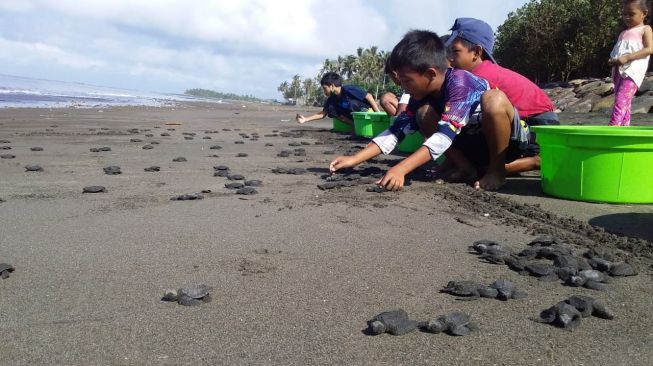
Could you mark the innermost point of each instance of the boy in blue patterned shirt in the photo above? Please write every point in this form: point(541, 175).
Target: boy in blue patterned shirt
point(450, 100)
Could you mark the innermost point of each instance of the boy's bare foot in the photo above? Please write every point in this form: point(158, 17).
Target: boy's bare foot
point(491, 181)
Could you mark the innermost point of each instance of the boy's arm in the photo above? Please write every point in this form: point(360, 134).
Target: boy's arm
point(341, 162)
point(647, 50)
point(433, 147)
point(316, 116)
point(370, 100)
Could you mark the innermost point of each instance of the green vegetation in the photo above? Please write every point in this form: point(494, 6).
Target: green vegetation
point(544, 40)
point(364, 69)
point(205, 93)
point(554, 40)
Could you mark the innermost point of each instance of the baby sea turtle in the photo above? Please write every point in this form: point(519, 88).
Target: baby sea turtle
point(5, 142)
point(149, 135)
point(187, 197)
point(236, 177)
point(465, 289)
point(5, 147)
point(545, 240)
point(247, 191)
point(147, 147)
point(33, 168)
point(36, 148)
point(206, 137)
point(269, 144)
point(220, 167)
point(215, 147)
point(376, 189)
point(239, 142)
point(188, 137)
point(284, 154)
point(153, 168)
point(561, 315)
point(189, 296)
point(455, 323)
point(112, 170)
point(105, 148)
point(395, 322)
point(5, 270)
point(165, 134)
point(253, 183)
point(242, 155)
point(221, 173)
point(622, 269)
point(135, 140)
point(94, 189)
point(179, 159)
point(7, 156)
point(587, 306)
point(500, 289)
point(234, 185)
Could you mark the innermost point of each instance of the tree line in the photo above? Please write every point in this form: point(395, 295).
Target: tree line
point(544, 40)
point(206, 93)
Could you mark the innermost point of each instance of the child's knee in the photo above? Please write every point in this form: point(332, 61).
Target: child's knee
point(494, 101)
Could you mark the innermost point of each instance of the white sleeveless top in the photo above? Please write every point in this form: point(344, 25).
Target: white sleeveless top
point(630, 41)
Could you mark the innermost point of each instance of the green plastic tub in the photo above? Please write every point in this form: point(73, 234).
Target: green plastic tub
point(597, 163)
point(411, 143)
point(340, 126)
point(370, 124)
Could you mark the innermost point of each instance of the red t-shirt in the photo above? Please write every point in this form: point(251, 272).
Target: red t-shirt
point(524, 95)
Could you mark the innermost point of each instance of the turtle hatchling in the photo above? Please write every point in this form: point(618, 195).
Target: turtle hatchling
point(94, 189)
point(112, 170)
point(395, 322)
point(189, 296)
point(5, 270)
point(33, 168)
point(455, 323)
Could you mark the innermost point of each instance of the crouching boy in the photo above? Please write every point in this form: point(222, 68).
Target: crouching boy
point(342, 100)
point(452, 99)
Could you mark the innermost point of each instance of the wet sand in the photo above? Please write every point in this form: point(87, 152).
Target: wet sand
point(296, 271)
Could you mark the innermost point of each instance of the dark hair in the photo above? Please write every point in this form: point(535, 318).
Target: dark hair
point(419, 50)
point(643, 4)
point(331, 78)
point(470, 47)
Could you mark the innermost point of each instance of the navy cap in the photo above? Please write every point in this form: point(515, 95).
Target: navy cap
point(474, 31)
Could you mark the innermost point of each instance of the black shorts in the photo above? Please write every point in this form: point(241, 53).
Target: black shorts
point(475, 148)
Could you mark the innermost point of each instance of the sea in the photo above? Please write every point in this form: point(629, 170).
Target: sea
point(23, 92)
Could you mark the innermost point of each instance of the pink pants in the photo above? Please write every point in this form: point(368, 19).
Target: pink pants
point(624, 91)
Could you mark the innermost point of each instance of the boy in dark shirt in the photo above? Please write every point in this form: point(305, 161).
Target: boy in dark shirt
point(342, 100)
point(453, 100)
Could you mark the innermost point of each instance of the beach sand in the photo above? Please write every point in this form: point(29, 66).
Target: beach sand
point(296, 271)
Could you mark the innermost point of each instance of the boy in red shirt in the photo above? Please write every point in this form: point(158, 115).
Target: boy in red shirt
point(471, 44)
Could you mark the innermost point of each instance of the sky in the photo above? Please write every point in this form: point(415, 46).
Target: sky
point(232, 46)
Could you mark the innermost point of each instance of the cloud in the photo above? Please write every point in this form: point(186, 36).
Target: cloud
point(245, 46)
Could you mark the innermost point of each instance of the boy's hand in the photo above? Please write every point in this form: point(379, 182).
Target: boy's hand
point(300, 119)
point(341, 162)
point(393, 180)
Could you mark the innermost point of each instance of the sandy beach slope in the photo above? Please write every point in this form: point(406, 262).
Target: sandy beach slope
point(296, 271)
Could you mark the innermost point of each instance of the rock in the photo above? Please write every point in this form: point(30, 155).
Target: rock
point(604, 104)
point(622, 269)
point(642, 104)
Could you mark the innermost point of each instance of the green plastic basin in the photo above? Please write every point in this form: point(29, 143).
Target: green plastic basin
point(340, 126)
point(411, 143)
point(597, 163)
point(370, 124)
